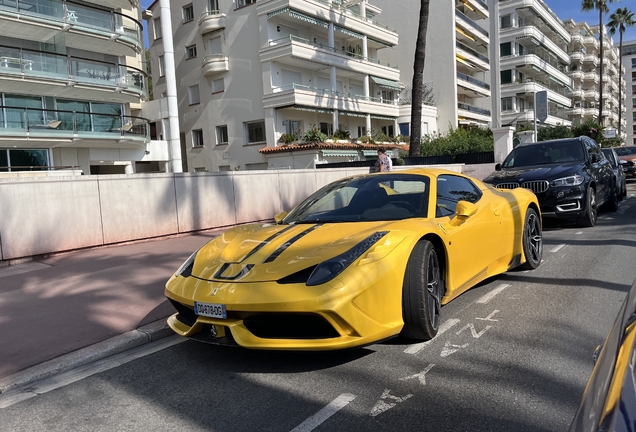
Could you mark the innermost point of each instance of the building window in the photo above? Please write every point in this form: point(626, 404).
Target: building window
point(388, 131)
point(213, 5)
point(23, 159)
point(505, 49)
point(387, 96)
point(405, 129)
point(162, 66)
point(197, 138)
point(362, 131)
point(506, 22)
point(241, 3)
point(326, 128)
point(187, 13)
point(255, 132)
point(191, 51)
point(221, 135)
point(506, 104)
point(218, 86)
point(634, 63)
point(633, 103)
point(156, 26)
point(193, 95)
point(506, 76)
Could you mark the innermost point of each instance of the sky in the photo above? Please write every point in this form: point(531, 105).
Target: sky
point(564, 9)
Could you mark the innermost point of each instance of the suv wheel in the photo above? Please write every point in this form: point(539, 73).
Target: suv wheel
point(589, 219)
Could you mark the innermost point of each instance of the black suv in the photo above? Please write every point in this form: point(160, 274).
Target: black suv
point(571, 177)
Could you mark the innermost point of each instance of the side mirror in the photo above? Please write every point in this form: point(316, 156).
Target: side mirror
point(498, 167)
point(280, 216)
point(465, 210)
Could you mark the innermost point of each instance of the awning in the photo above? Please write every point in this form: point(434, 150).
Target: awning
point(379, 42)
point(309, 109)
point(307, 18)
point(385, 83)
point(348, 32)
point(277, 12)
point(352, 114)
point(370, 152)
point(339, 153)
point(379, 117)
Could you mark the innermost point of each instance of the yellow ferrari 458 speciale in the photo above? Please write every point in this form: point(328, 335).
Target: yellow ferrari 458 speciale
point(363, 259)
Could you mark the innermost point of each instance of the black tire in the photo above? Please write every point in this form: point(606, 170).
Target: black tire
point(591, 211)
point(422, 293)
point(532, 240)
point(611, 204)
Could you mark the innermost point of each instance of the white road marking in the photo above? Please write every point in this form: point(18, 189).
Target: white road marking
point(381, 406)
point(471, 326)
point(421, 376)
point(414, 349)
point(450, 348)
point(578, 233)
point(317, 419)
point(491, 295)
point(557, 248)
point(489, 317)
point(18, 395)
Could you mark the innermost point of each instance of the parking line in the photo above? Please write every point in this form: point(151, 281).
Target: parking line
point(578, 233)
point(491, 295)
point(557, 248)
point(317, 419)
point(414, 349)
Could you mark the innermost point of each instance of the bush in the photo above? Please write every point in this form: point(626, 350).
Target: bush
point(591, 129)
point(341, 135)
point(314, 135)
point(287, 138)
point(366, 139)
point(457, 141)
point(554, 132)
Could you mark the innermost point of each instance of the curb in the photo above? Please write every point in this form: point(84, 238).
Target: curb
point(115, 345)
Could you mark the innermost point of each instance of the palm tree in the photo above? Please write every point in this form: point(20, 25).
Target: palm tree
point(418, 81)
point(620, 20)
point(601, 6)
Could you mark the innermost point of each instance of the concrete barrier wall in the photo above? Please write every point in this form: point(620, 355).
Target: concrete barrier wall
point(47, 215)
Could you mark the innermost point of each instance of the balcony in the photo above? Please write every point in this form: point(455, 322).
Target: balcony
point(43, 73)
point(53, 128)
point(529, 87)
point(115, 4)
point(476, 9)
point(326, 11)
point(472, 87)
point(215, 64)
point(211, 21)
point(86, 27)
point(528, 117)
point(533, 9)
point(535, 65)
point(591, 42)
point(467, 111)
point(537, 37)
point(591, 95)
point(577, 57)
point(591, 76)
point(471, 27)
point(591, 59)
point(307, 96)
point(296, 51)
point(470, 57)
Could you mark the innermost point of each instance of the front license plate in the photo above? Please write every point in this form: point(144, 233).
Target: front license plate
point(210, 310)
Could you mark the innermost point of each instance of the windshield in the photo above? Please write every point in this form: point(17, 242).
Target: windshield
point(624, 151)
point(609, 155)
point(372, 198)
point(545, 153)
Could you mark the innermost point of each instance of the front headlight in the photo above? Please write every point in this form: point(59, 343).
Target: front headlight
point(186, 268)
point(327, 270)
point(574, 180)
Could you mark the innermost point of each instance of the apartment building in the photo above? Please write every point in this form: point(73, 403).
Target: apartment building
point(253, 74)
point(457, 59)
point(629, 78)
point(533, 58)
point(71, 82)
point(584, 51)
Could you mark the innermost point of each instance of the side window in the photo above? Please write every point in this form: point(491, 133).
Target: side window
point(452, 189)
point(592, 148)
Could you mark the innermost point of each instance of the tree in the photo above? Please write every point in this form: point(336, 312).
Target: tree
point(620, 20)
point(149, 73)
point(601, 6)
point(418, 80)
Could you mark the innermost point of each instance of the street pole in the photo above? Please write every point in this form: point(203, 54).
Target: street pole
point(535, 138)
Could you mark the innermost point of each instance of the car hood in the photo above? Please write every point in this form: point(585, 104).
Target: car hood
point(268, 252)
point(536, 172)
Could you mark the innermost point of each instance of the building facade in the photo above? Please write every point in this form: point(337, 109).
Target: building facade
point(262, 74)
point(629, 91)
point(533, 58)
point(72, 81)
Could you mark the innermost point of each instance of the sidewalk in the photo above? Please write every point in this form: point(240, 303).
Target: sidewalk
point(91, 298)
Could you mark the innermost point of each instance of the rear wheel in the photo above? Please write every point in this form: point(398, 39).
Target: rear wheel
point(422, 293)
point(532, 240)
point(589, 219)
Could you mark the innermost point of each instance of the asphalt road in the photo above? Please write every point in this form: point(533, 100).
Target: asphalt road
point(514, 354)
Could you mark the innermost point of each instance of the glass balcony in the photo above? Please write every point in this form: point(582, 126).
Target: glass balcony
point(473, 109)
point(77, 16)
point(71, 69)
point(37, 122)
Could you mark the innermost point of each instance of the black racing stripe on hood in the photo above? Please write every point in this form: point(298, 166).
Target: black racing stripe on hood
point(266, 242)
point(288, 243)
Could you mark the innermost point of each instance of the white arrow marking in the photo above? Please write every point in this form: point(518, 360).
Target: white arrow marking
point(489, 317)
point(491, 295)
point(558, 248)
point(315, 420)
point(414, 349)
point(381, 405)
point(421, 375)
point(450, 348)
point(471, 326)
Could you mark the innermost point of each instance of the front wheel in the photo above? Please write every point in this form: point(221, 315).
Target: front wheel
point(422, 293)
point(589, 219)
point(532, 240)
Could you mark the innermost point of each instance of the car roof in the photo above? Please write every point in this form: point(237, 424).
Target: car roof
point(576, 139)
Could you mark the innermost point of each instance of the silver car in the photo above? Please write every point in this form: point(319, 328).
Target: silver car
point(621, 182)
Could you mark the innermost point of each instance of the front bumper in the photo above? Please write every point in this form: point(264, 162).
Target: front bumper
point(566, 202)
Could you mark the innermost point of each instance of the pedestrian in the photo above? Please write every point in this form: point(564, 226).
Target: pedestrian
point(384, 163)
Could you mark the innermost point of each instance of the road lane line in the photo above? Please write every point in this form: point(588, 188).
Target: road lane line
point(578, 233)
point(491, 295)
point(317, 419)
point(414, 349)
point(557, 248)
